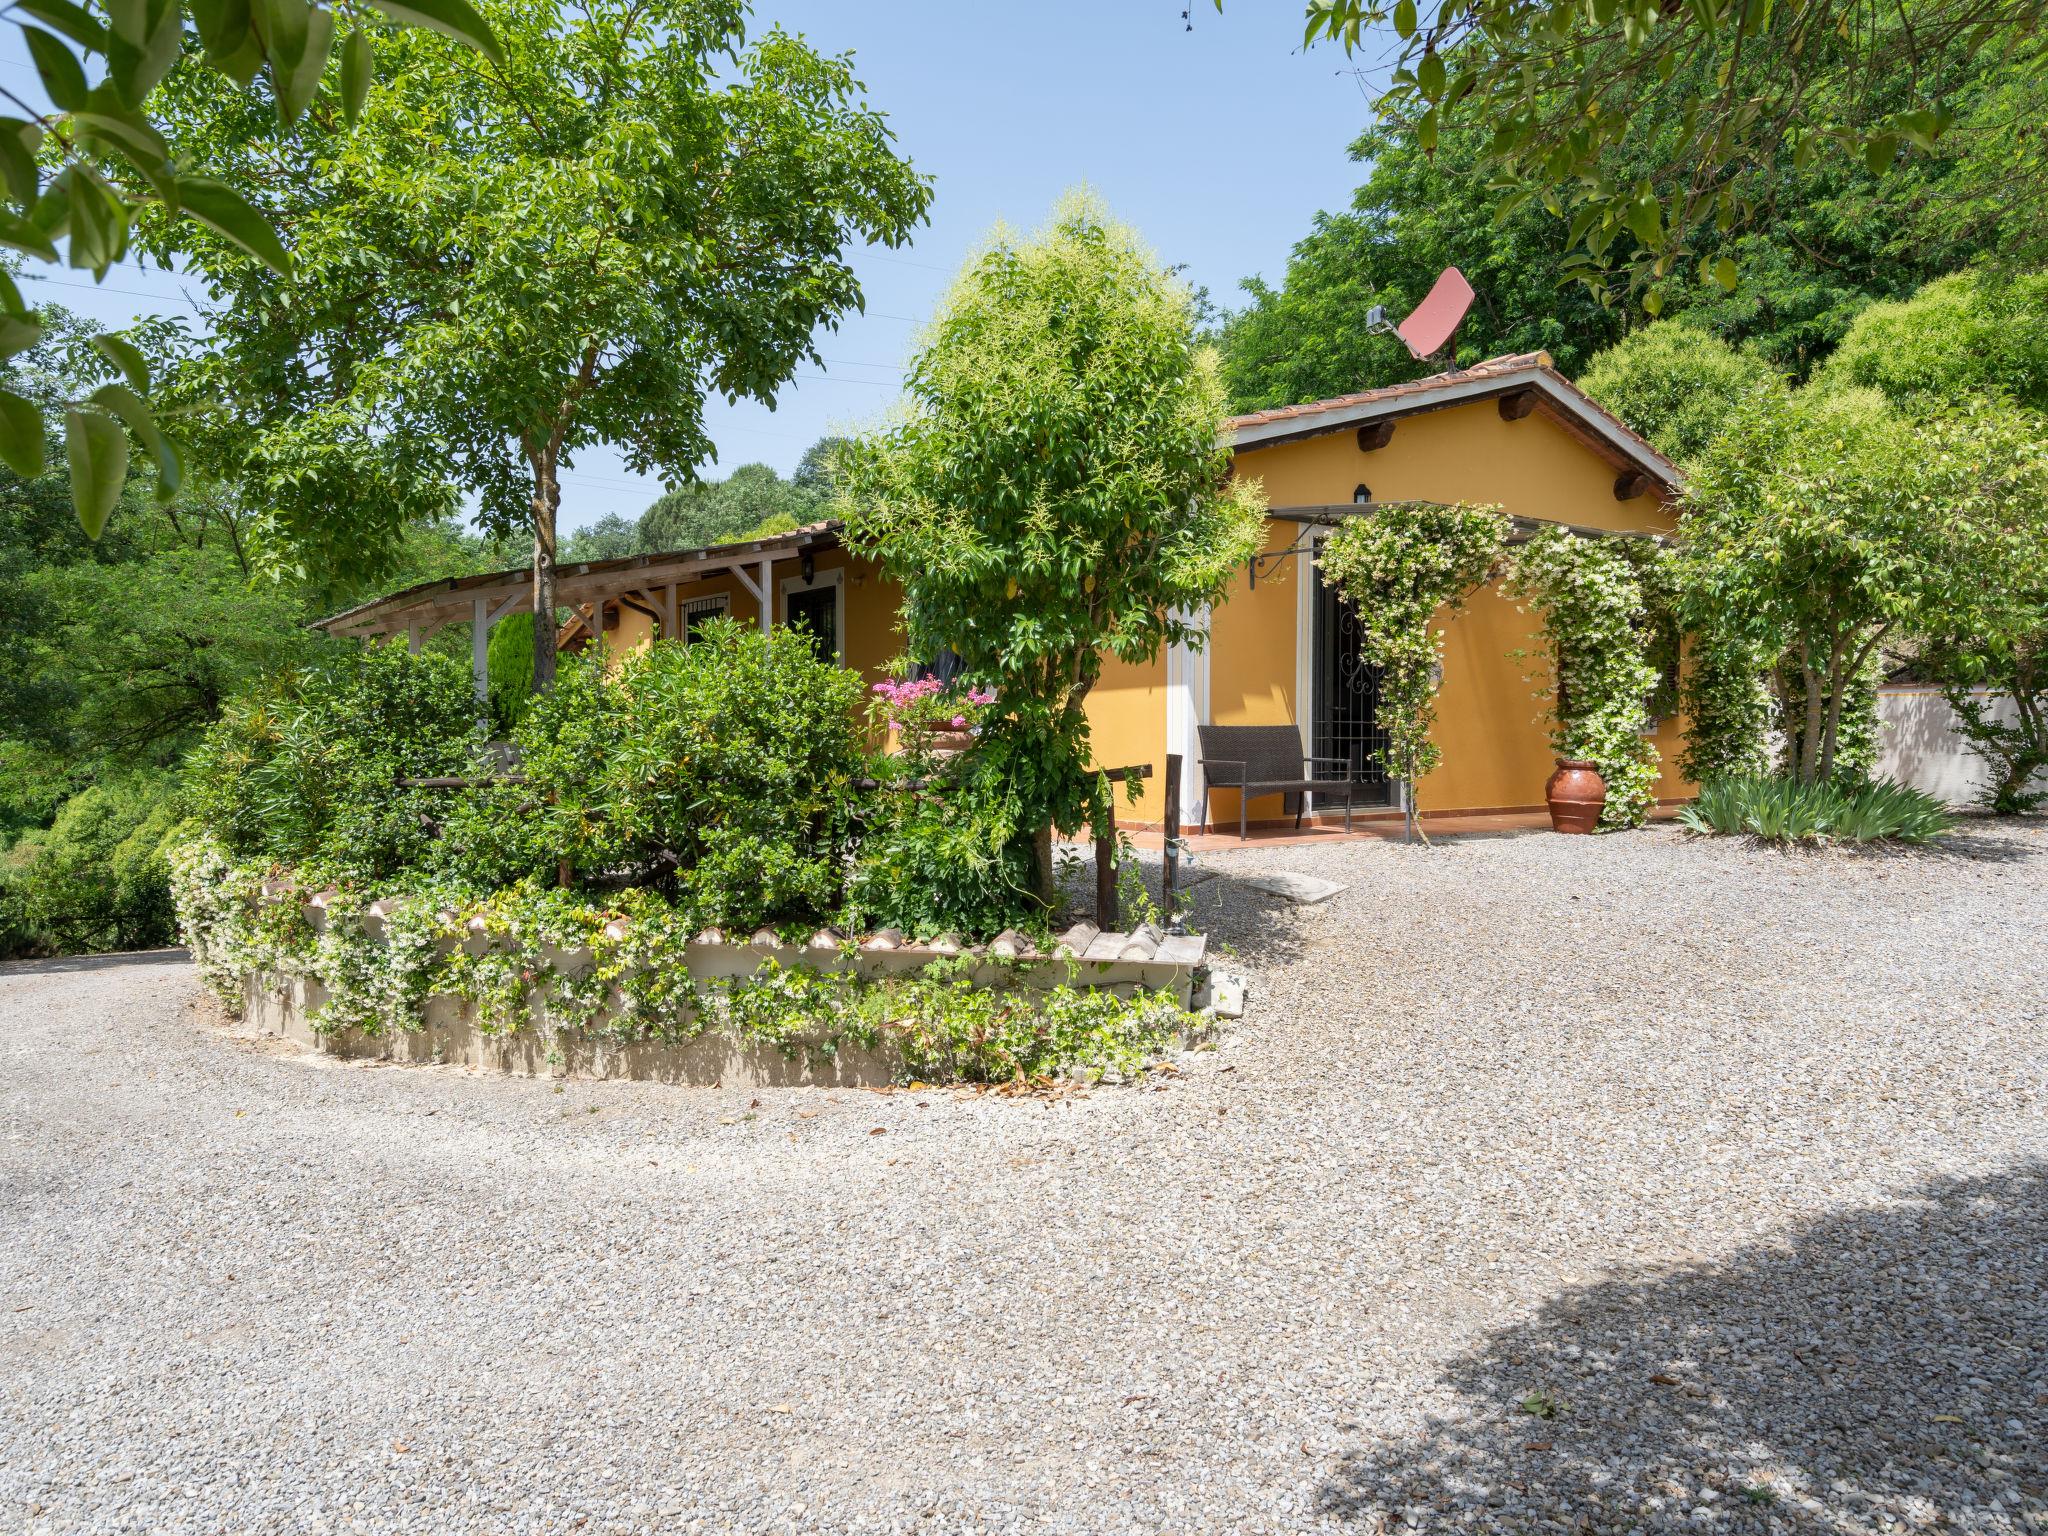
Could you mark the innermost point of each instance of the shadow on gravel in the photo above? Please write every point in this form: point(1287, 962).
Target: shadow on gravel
point(93, 962)
point(1962, 844)
point(1213, 899)
point(1880, 1369)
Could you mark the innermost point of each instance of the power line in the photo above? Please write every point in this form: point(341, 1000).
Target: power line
point(139, 293)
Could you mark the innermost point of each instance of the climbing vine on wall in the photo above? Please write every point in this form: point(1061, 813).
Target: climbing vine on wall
point(1404, 564)
point(1598, 638)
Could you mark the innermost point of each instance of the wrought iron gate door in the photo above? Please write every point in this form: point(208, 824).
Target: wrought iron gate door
point(1346, 696)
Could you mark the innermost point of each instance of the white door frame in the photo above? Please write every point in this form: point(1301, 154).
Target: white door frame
point(1187, 707)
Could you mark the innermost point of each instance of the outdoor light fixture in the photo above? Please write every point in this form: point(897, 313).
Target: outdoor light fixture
point(809, 567)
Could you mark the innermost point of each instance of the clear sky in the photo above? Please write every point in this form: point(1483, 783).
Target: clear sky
point(1219, 144)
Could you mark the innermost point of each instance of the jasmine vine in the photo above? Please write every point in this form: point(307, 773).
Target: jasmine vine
point(1410, 566)
point(1595, 665)
point(530, 956)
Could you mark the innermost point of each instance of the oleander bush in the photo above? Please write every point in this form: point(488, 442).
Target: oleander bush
point(1784, 809)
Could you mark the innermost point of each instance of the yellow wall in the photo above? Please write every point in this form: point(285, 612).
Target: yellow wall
point(1496, 752)
point(872, 602)
point(1127, 727)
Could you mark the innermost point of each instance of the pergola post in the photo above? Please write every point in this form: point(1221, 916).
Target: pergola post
point(484, 618)
point(767, 594)
point(480, 647)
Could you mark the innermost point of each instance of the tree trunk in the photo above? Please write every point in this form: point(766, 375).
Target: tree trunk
point(547, 500)
point(1045, 869)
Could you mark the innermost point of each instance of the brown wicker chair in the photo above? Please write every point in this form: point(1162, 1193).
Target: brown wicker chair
point(1265, 760)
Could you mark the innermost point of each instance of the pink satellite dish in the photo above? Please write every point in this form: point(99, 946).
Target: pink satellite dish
point(1426, 331)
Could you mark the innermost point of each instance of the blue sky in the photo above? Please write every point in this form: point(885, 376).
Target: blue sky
point(1219, 144)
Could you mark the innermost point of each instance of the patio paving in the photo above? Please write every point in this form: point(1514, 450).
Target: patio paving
point(1551, 1184)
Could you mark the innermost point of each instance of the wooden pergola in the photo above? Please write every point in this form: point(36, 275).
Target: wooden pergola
point(656, 585)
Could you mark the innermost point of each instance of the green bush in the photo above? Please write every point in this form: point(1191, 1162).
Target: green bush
point(511, 670)
point(96, 879)
point(305, 769)
point(729, 767)
point(933, 861)
point(1781, 809)
point(1675, 383)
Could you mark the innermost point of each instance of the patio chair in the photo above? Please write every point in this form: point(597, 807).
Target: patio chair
point(1265, 760)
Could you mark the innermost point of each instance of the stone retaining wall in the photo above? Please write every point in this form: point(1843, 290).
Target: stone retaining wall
point(1144, 959)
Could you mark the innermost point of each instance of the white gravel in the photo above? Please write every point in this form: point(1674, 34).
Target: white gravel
point(1736, 1159)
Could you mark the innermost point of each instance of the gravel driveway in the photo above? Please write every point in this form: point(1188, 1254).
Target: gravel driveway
point(1552, 1184)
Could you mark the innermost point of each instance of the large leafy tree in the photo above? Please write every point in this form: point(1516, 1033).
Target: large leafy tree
point(713, 511)
point(1787, 288)
point(1676, 384)
point(1057, 492)
point(1559, 87)
point(77, 175)
point(506, 262)
point(1971, 333)
point(1822, 526)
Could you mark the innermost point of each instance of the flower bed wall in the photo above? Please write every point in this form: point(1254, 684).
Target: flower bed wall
point(552, 987)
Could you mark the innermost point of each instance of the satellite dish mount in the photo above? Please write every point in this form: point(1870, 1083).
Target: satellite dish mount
point(1427, 332)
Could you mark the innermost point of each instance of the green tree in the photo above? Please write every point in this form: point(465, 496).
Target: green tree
point(510, 262)
point(1970, 333)
point(1839, 236)
point(97, 878)
point(716, 511)
point(1056, 492)
point(610, 537)
point(1823, 526)
point(1812, 81)
point(84, 171)
point(1676, 384)
point(816, 472)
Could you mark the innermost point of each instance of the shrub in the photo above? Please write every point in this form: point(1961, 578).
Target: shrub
point(510, 660)
point(934, 860)
point(730, 765)
point(306, 768)
point(1784, 809)
point(96, 879)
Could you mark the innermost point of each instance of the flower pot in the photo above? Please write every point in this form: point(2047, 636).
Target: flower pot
point(1577, 794)
point(943, 742)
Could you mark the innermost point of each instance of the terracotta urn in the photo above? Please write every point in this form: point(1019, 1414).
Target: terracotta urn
point(1576, 793)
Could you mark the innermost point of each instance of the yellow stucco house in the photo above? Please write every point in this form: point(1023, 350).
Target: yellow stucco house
point(1282, 650)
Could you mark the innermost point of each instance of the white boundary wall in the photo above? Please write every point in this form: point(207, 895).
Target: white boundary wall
point(1918, 744)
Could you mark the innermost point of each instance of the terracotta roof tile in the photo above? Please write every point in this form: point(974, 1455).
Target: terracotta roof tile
point(1492, 367)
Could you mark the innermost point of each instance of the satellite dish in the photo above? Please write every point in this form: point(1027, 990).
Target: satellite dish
point(1428, 330)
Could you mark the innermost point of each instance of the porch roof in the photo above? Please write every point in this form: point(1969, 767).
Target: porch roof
point(432, 603)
